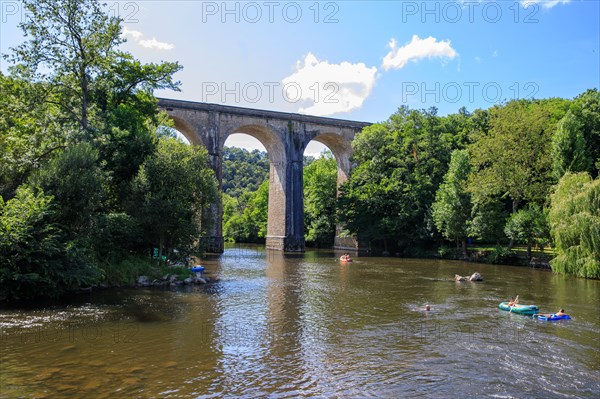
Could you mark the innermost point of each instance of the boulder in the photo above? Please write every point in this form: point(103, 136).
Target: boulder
point(188, 280)
point(475, 277)
point(144, 281)
point(459, 278)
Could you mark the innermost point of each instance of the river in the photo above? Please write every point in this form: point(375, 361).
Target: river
point(304, 325)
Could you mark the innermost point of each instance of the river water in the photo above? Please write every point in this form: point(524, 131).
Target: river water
point(304, 325)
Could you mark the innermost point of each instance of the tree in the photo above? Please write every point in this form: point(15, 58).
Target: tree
point(527, 226)
point(513, 159)
point(30, 132)
point(243, 170)
point(97, 92)
point(488, 218)
point(320, 192)
point(256, 214)
point(570, 152)
point(452, 206)
point(586, 111)
point(77, 185)
point(400, 164)
point(74, 48)
point(574, 220)
point(171, 196)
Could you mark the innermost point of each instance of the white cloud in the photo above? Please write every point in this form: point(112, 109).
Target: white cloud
point(417, 49)
point(147, 43)
point(153, 43)
point(136, 35)
point(544, 3)
point(323, 89)
point(495, 53)
point(478, 59)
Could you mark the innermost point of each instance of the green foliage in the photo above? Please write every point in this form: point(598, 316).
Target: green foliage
point(243, 171)
point(574, 220)
point(445, 252)
point(256, 214)
point(569, 149)
point(400, 165)
point(30, 131)
point(513, 158)
point(488, 218)
point(502, 256)
point(171, 196)
point(527, 226)
point(77, 184)
point(586, 111)
point(125, 270)
point(36, 259)
point(115, 235)
point(452, 206)
point(73, 47)
point(320, 191)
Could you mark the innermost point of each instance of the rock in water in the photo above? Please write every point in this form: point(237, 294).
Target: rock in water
point(475, 277)
point(144, 281)
point(459, 278)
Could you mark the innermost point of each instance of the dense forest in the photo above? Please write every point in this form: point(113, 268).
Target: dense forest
point(93, 189)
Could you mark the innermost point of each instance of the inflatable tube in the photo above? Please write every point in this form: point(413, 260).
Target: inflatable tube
point(552, 317)
point(197, 269)
point(529, 310)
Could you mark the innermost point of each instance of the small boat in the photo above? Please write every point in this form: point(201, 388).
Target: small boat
point(552, 317)
point(197, 269)
point(529, 310)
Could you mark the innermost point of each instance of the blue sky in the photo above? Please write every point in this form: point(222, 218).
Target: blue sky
point(361, 60)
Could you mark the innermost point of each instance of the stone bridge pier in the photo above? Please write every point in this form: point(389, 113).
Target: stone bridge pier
point(285, 137)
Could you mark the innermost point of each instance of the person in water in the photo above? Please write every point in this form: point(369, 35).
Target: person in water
point(561, 312)
point(427, 307)
point(514, 301)
point(345, 258)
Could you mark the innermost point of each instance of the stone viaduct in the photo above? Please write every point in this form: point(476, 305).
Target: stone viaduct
point(285, 136)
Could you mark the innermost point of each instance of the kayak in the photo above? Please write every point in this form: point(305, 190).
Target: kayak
point(552, 317)
point(529, 310)
point(197, 269)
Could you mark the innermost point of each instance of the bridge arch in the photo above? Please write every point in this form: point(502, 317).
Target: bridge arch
point(186, 129)
point(341, 148)
point(275, 147)
point(285, 136)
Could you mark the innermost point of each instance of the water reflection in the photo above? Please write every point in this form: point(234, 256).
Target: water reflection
point(277, 325)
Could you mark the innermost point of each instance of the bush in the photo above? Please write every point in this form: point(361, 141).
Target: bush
point(449, 253)
point(503, 256)
point(36, 258)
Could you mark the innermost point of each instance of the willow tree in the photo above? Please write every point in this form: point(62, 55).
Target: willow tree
point(575, 225)
point(570, 152)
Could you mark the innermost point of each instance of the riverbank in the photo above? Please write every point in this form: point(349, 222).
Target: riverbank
point(498, 256)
